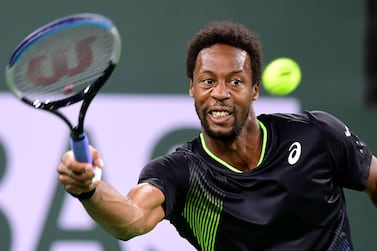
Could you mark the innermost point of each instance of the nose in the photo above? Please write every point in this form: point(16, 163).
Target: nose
point(220, 91)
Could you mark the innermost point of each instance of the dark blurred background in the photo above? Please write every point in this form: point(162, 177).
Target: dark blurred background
point(333, 41)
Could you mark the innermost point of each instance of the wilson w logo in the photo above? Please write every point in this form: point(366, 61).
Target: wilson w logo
point(60, 64)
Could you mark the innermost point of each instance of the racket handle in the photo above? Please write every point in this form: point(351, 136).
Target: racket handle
point(80, 147)
point(81, 152)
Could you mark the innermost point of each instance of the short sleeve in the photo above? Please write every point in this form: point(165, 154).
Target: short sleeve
point(170, 174)
point(349, 156)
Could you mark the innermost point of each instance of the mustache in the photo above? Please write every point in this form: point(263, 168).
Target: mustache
point(218, 103)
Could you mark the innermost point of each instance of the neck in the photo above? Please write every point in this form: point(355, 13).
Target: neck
point(243, 152)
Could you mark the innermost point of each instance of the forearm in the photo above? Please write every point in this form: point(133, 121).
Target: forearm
point(116, 213)
point(122, 216)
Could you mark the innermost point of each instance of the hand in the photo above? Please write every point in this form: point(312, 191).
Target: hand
point(77, 177)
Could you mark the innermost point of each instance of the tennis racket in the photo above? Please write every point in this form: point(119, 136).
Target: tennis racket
point(66, 61)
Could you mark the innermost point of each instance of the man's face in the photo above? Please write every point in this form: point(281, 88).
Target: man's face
point(223, 90)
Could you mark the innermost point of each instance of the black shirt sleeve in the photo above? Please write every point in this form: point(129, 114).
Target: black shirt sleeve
point(169, 173)
point(350, 156)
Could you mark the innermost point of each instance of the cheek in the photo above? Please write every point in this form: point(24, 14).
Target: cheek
point(200, 96)
point(200, 103)
point(243, 105)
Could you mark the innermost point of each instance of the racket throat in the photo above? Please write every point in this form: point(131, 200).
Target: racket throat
point(78, 134)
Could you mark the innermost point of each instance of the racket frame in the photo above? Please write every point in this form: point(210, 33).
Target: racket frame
point(79, 140)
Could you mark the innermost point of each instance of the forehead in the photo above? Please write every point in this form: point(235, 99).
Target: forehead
point(221, 55)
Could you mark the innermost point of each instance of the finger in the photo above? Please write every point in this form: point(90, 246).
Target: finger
point(62, 169)
point(81, 168)
point(71, 164)
point(96, 156)
point(73, 186)
point(85, 175)
point(76, 177)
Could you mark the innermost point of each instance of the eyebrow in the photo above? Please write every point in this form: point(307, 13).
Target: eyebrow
point(236, 72)
point(230, 73)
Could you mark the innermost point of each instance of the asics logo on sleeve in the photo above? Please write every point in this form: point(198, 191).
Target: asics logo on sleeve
point(347, 132)
point(294, 153)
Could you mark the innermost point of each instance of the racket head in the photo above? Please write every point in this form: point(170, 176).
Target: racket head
point(64, 61)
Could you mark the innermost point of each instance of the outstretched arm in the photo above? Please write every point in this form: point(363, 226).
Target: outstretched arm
point(372, 181)
point(129, 216)
point(122, 216)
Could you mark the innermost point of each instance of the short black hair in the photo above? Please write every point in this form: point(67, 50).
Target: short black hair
point(228, 33)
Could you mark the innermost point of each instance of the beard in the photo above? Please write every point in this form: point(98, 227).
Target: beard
point(226, 136)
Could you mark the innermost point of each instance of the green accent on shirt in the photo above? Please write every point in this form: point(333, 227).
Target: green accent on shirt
point(230, 167)
point(203, 210)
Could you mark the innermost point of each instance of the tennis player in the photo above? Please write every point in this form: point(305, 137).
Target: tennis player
point(272, 182)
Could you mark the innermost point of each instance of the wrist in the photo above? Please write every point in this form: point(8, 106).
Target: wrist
point(84, 195)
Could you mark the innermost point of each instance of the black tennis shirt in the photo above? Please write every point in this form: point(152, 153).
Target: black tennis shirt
point(293, 200)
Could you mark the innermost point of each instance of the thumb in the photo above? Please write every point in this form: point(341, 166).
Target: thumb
point(97, 165)
point(96, 158)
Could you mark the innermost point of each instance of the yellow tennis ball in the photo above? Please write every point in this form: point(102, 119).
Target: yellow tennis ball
point(281, 76)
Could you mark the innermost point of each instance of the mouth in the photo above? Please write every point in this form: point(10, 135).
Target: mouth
point(219, 116)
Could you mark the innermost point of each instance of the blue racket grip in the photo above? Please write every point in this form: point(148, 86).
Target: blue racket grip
point(81, 152)
point(80, 147)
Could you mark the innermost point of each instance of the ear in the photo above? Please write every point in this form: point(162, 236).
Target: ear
point(255, 94)
point(191, 90)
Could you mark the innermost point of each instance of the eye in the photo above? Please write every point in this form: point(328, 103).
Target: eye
point(207, 81)
point(236, 81)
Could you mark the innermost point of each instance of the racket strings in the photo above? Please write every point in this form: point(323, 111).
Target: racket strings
point(68, 67)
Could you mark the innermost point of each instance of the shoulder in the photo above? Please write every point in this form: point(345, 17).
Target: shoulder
point(313, 126)
point(331, 127)
point(179, 158)
point(320, 119)
point(306, 116)
point(325, 119)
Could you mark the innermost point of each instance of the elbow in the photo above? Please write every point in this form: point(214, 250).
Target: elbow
point(125, 234)
point(124, 237)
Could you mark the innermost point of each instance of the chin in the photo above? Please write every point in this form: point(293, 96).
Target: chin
point(221, 135)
